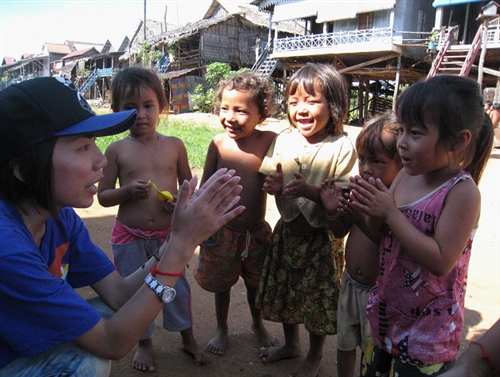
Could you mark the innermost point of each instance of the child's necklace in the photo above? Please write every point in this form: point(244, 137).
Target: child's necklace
point(152, 152)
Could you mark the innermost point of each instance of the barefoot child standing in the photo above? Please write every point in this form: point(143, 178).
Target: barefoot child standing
point(143, 220)
point(300, 281)
point(238, 249)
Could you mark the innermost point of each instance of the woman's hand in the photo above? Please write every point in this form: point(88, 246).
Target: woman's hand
point(199, 214)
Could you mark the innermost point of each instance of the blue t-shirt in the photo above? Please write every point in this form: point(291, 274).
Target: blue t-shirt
point(39, 308)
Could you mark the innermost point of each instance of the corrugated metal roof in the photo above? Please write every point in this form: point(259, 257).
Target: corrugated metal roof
point(57, 48)
point(445, 3)
point(267, 3)
point(327, 12)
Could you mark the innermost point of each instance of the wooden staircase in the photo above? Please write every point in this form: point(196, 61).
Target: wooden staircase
point(265, 65)
point(94, 76)
point(456, 62)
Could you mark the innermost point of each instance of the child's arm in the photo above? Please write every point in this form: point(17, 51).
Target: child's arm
point(108, 194)
point(273, 183)
point(183, 169)
point(210, 162)
point(438, 253)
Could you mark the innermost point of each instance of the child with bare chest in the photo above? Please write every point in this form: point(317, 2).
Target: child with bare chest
point(239, 248)
point(378, 158)
point(144, 162)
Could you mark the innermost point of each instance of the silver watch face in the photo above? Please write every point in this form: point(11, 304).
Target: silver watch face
point(168, 294)
point(165, 293)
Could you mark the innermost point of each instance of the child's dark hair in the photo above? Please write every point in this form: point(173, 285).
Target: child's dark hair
point(260, 87)
point(371, 137)
point(36, 186)
point(453, 104)
point(127, 84)
point(333, 87)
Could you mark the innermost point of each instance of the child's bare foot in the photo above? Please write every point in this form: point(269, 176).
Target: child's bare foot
point(309, 368)
point(265, 338)
point(272, 354)
point(200, 357)
point(218, 344)
point(143, 357)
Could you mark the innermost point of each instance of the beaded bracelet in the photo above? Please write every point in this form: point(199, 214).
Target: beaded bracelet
point(155, 271)
point(485, 356)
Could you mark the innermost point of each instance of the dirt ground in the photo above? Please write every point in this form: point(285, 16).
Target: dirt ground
point(482, 301)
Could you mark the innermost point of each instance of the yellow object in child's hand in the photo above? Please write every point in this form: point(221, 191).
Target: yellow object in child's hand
point(162, 195)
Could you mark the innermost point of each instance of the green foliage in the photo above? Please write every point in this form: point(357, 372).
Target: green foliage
point(204, 99)
point(204, 96)
point(196, 142)
point(5, 77)
point(148, 55)
point(433, 37)
point(84, 72)
point(216, 72)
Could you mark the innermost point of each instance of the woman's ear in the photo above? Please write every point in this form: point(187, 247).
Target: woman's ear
point(15, 169)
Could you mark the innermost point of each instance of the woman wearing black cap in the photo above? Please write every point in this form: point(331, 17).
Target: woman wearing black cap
point(49, 163)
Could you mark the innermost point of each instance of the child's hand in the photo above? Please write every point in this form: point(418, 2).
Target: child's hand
point(169, 205)
point(139, 189)
point(273, 183)
point(297, 187)
point(331, 196)
point(350, 213)
point(371, 197)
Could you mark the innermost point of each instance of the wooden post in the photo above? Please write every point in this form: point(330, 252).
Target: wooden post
point(144, 20)
point(396, 85)
point(483, 53)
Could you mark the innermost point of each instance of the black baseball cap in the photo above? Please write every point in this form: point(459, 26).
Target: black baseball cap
point(46, 107)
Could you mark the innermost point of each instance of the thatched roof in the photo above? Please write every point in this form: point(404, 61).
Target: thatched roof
point(221, 14)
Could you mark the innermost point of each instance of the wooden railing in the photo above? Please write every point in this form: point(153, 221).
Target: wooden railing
point(319, 41)
point(493, 36)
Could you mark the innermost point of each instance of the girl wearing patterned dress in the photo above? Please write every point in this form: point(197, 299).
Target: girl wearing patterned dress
point(300, 281)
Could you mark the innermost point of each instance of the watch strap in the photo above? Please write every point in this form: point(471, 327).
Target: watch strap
point(160, 289)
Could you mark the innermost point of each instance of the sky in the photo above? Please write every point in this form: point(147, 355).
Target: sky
point(25, 25)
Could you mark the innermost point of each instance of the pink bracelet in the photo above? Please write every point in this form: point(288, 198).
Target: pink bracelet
point(485, 356)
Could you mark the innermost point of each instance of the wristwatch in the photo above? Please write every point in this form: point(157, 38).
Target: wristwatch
point(164, 292)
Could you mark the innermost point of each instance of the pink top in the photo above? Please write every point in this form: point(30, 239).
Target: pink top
point(413, 314)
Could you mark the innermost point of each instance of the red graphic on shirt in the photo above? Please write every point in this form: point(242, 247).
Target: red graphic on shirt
point(57, 268)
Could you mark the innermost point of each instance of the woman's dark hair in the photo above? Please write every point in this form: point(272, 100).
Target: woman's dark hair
point(35, 169)
point(453, 104)
point(127, 84)
point(333, 87)
point(260, 87)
